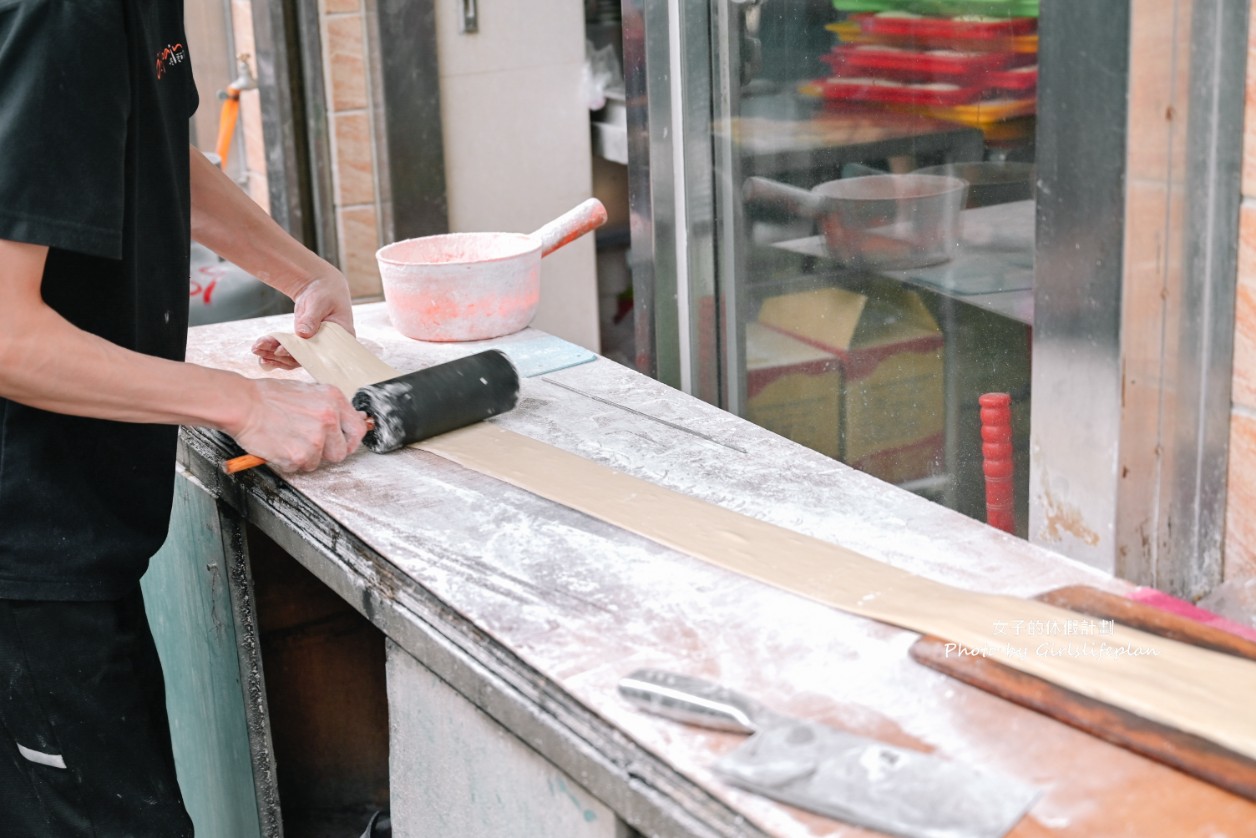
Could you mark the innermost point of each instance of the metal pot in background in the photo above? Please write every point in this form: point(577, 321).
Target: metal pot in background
point(989, 182)
point(883, 222)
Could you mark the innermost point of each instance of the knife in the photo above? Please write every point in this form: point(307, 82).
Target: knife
point(851, 778)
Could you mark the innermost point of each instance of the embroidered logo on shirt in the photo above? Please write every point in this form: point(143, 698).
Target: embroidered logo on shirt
point(171, 55)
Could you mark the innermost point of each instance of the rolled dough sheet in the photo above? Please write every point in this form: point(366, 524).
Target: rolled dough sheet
point(333, 356)
point(1195, 690)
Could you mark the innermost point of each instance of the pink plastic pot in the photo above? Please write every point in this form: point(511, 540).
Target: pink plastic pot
point(474, 286)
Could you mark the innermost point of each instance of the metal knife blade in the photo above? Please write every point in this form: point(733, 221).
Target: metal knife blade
point(841, 775)
point(692, 701)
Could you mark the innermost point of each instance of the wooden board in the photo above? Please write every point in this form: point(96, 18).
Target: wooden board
point(1193, 755)
point(188, 597)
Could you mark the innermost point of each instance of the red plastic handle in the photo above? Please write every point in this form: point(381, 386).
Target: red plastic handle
point(996, 464)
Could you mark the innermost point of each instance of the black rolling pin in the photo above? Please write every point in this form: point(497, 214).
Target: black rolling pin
point(423, 404)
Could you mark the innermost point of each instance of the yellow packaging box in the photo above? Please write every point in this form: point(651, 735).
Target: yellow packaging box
point(891, 415)
point(793, 388)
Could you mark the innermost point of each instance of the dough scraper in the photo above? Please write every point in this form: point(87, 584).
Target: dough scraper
point(851, 778)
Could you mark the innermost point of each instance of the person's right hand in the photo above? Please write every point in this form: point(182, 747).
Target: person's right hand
point(296, 426)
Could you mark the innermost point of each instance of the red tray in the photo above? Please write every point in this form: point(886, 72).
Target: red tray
point(1017, 80)
point(882, 91)
point(918, 65)
point(898, 24)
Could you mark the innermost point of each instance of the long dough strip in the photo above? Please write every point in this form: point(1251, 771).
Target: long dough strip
point(1195, 690)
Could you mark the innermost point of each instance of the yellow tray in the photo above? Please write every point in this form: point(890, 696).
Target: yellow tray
point(850, 33)
point(984, 113)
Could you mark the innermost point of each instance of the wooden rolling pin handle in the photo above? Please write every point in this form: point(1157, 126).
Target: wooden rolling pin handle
point(247, 461)
point(242, 463)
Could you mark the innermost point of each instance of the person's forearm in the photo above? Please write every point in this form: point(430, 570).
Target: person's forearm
point(88, 376)
point(227, 221)
point(48, 363)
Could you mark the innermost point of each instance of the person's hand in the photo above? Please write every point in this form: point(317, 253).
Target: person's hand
point(296, 426)
point(322, 299)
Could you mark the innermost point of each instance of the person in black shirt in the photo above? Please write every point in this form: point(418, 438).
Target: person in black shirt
point(99, 195)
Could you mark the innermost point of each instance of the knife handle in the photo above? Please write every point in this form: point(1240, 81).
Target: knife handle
point(691, 700)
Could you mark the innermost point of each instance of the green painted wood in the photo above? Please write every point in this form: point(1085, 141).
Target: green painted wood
point(189, 606)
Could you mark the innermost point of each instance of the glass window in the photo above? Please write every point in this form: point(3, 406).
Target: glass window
point(854, 219)
point(874, 222)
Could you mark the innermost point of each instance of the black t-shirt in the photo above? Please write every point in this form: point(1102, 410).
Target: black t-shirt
point(95, 97)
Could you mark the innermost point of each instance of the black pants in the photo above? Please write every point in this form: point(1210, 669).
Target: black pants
point(84, 737)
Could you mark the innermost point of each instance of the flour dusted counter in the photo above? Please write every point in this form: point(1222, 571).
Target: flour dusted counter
point(398, 631)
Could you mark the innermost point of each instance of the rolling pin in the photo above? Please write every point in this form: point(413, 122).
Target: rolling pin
point(419, 405)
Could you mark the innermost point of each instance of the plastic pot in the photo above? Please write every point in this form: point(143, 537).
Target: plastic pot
point(474, 286)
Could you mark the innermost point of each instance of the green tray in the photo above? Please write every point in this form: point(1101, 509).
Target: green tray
point(944, 8)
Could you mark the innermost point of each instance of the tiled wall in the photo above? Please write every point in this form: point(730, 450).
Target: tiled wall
point(515, 126)
point(347, 80)
point(215, 39)
point(515, 129)
point(1240, 540)
point(208, 41)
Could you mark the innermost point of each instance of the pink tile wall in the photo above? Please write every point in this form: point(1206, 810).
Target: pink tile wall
point(347, 82)
point(1240, 538)
point(356, 193)
point(344, 52)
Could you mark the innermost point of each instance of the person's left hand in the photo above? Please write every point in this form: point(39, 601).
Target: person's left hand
point(324, 298)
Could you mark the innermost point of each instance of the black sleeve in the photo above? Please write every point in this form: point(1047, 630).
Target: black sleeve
point(64, 100)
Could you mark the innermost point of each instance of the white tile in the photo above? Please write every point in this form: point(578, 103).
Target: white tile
point(569, 304)
point(517, 154)
point(517, 147)
point(511, 36)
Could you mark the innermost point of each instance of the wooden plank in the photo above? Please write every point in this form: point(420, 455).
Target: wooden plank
point(1103, 604)
point(189, 607)
point(1192, 755)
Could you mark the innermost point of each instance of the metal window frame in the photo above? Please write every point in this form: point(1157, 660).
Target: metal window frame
point(410, 148)
point(1111, 485)
point(1131, 381)
point(406, 107)
point(320, 204)
point(283, 117)
point(652, 222)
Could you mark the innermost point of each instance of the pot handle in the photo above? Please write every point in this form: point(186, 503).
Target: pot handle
point(571, 225)
point(792, 199)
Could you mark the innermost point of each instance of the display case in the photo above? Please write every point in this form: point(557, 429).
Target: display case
point(1047, 290)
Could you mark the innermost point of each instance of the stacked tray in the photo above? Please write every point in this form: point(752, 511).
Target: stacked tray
point(944, 8)
point(975, 68)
